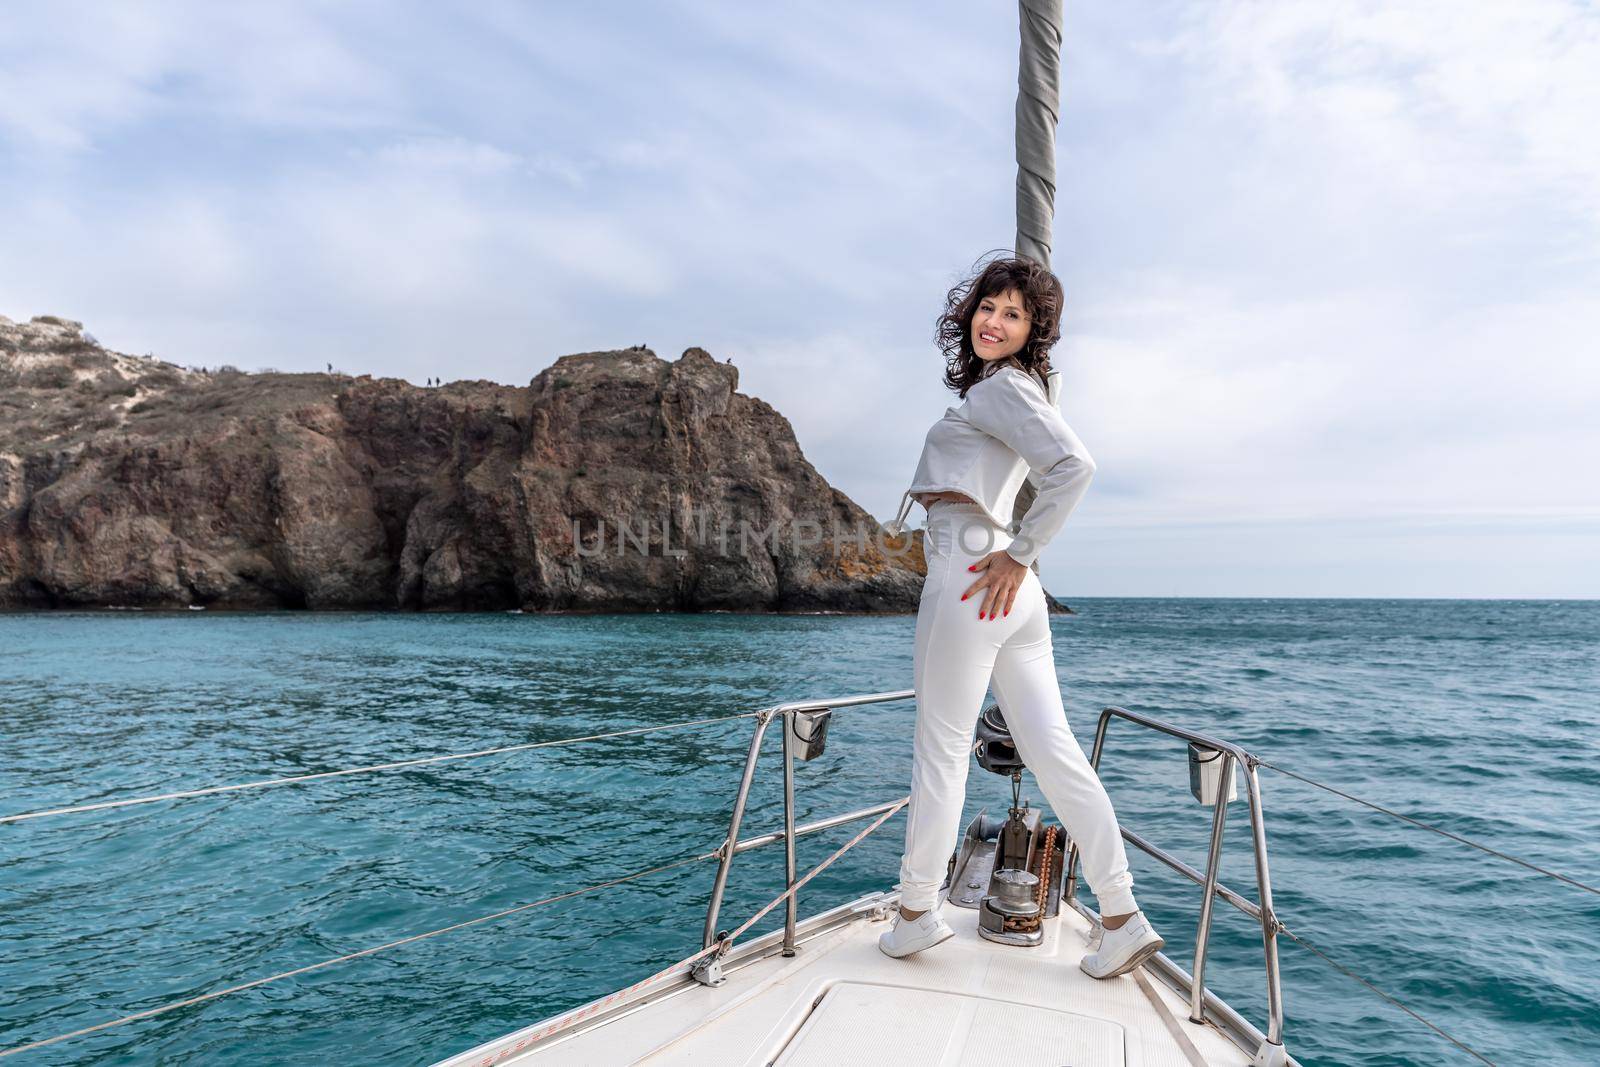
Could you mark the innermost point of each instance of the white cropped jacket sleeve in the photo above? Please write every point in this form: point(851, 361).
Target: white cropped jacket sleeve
point(1011, 407)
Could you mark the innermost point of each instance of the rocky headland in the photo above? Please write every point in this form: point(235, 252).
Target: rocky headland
point(613, 481)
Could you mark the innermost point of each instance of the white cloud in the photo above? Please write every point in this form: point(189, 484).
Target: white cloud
point(450, 154)
point(71, 77)
point(1206, 405)
point(1445, 100)
point(1327, 263)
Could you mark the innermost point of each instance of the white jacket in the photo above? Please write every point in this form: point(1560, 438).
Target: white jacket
point(985, 448)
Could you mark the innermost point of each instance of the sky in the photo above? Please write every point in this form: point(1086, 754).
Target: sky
point(1331, 267)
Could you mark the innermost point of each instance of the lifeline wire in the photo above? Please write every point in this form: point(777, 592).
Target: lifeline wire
point(818, 869)
point(104, 805)
point(1445, 833)
point(214, 994)
point(716, 951)
point(1348, 973)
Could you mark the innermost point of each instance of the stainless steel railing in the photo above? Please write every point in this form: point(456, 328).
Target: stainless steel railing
point(1234, 758)
point(732, 846)
point(1201, 1000)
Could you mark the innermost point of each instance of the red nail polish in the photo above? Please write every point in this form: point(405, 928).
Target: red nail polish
point(973, 567)
point(1006, 612)
point(963, 596)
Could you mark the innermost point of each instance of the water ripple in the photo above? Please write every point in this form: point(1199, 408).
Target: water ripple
point(1479, 717)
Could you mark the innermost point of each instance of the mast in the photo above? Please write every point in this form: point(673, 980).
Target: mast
point(1038, 113)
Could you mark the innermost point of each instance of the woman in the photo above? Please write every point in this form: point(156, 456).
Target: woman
point(996, 333)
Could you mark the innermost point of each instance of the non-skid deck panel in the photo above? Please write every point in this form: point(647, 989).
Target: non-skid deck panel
point(751, 1019)
point(896, 1026)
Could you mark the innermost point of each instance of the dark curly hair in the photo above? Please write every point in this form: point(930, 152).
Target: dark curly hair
point(1042, 296)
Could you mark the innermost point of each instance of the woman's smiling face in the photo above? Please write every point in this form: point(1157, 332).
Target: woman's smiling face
point(1000, 326)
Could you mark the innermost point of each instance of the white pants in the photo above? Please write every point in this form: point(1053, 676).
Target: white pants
point(959, 656)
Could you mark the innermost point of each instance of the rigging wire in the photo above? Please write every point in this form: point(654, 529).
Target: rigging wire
point(522, 1040)
point(214, 994)
point(1348, 973)
point(1444, 833)
point(818, 869)
point(562, 1022)
point(423, 761)
point(500, 750)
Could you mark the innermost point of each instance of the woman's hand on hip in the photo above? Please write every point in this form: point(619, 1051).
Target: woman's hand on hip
point(1001, 577)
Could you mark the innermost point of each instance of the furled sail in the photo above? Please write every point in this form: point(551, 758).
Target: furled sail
point(1038, 112)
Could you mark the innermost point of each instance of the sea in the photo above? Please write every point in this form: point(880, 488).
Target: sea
point(1478, 717)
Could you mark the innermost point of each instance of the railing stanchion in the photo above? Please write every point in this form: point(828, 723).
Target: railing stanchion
point(730, 847)
point(1069, 883)
point(1202, 937)
point(721, 883)
point(1269, 918)
point(791, 910)
point(1235, 761)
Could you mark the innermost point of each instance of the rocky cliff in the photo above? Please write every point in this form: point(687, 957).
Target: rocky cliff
point(613, 481)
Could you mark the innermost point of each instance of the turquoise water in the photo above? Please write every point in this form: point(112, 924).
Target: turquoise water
point(1479, 716)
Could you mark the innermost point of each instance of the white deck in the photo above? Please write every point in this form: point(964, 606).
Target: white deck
point(840, 1000)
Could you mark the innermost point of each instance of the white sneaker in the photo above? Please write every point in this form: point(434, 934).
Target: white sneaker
point(914, 935)
point(1123, 949)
